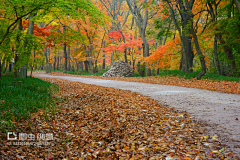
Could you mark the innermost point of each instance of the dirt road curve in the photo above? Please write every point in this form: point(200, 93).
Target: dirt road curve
point(219, 111)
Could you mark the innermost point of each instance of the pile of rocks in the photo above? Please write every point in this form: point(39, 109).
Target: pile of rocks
point(119, 69)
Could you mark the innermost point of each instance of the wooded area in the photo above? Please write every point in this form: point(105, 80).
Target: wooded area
point(85, 35)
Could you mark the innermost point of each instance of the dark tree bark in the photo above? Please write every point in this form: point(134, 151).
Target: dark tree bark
point(142, 25)
point(65, 53)
point(237, 5)
point(217, 62)
point(188, 49)
point(86, 65)
point(69, 59)
point(201, 56)
point(54, 64)
point(213, 15)
point(95, 67)
point(229, 52)
point(187, 56)
point(58, 61)
point(16, 58)
point(0, 69)
point(23, 69)
point(65, 56)
point(33, 63)
point(77, 65)
point(125, 50)
point(46, 54)
point(104, 63)
point(179, 31)
point(69, 64)
point(81, 65)
point(188, 14)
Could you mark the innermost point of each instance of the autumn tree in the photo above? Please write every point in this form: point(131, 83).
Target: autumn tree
point(185, 10)
point(116, 9)
point(141, 21)
point(13, 12)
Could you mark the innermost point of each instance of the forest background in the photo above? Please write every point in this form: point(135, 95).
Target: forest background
point(200, 36)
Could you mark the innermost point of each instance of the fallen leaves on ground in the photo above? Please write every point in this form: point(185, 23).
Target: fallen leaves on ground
point(222, 86)
point(93, 122)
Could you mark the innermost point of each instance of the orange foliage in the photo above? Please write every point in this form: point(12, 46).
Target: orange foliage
point(165, 56)
point(40, 32)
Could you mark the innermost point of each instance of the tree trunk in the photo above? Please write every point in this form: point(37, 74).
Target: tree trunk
point(69, 59)
point(65, 56)
point(90, 66)
point(69, 63)
point(47, 66)
point(65, 53)
point(216, 56)
point(112, 56)
point(179, 31)
point(133, 65)
point(23, 69)
point(58, 61)
point(16, 58)
point(213, 15)
point(125, 50)
point(186, 66)
point(0, 68)
point(95, 67)
point(138, 68)
point(10, 67)
point(10, 64)
point(86, 65)
point(146, 54)
point(157, 69)
point(33, 63)
point(142, 25)
point(229, 54)
point(81, 65)
point(187, 16)
point(77, 65)
point(199, 52)
point(46, 54)
point(237, 5)
point(54, 64)
point(104, 63)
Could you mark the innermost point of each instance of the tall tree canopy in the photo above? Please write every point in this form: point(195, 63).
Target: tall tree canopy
point(167, 34)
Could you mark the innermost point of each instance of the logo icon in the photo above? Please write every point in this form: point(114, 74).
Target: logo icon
point(11, 136)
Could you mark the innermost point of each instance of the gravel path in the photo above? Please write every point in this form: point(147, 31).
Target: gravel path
point(219, 112)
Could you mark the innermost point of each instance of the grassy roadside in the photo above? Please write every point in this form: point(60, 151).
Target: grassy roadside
point(163, 73)
point(100, 73)
point(20, 97)
point(185, 75)
point(209, 84)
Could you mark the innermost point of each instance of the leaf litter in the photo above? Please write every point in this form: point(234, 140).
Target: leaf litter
point(92, 122)
point(221, 86)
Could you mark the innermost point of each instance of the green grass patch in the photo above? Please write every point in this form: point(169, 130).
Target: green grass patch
point(100, 73)
point(178, 73)
point(185, 75)
point(19, 97)
point(220, 78)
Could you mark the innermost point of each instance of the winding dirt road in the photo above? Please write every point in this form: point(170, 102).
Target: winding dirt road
point(218, 112)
